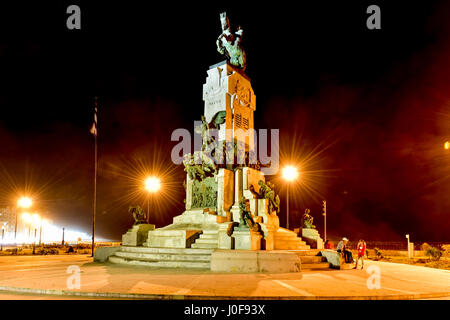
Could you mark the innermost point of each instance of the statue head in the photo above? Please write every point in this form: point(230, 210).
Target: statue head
point(307, 211)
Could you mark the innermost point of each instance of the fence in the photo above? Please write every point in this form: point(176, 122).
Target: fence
point(394, 245)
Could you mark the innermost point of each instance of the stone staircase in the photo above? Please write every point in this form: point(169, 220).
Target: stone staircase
point(311, 260)
point(288, 240)
point(163, 257)
point(209, 239)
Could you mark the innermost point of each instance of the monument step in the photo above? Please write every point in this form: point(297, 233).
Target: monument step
point(166, 250)
point(310, 252)
point(216, 241)
point(296, 241)
point(160, 264)
point(290, 246)
point(197, 245)
point(312, 259)
point(209, 236)
point(291, 242)
point(286, 236)
point(207, 231)
point(315, 266)
point(164, 257)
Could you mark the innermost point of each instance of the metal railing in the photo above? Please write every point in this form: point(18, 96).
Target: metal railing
point(395, 245)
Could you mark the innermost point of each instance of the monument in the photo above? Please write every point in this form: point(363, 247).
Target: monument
point(230, 209)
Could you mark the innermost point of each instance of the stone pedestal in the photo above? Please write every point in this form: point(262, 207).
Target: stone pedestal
point(163, 238)
point(235, 210)
point(225, 191)
point(246, 239)
point(255, 261)
point(224, 240)
point(312, 235)
point(269, 237)
point(228, 89)
point(137, 235)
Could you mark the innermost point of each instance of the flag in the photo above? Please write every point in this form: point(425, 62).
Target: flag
point(94, 125)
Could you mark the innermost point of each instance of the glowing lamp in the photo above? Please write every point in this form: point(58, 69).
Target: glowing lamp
point(152, 184)
point(24, 202)
point(290, 173)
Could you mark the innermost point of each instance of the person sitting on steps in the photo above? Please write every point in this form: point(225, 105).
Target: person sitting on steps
point(342, 248)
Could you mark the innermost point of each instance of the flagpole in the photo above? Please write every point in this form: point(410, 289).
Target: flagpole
point(95, 179)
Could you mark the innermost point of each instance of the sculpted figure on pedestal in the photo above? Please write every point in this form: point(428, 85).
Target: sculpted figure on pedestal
point(138, 214)
point(266, 191)
point(246, 219)
point(229, 44)
point(308, 220)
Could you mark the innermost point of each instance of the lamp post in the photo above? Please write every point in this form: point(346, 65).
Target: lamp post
point(34, 241)
point(324, 220)
point(409, 251)
point(3, 237)
point(40, 230)
point(289, 174)
point(151, 185)
point(23, 203)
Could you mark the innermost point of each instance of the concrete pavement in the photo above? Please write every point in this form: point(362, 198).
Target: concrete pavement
point(47, 275)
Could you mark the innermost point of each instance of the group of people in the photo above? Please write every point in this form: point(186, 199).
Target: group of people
point(343, 249)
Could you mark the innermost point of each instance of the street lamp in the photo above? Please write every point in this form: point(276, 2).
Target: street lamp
point(3, 235)
point(289, 173)
point(36, 220)
point(409, 246)
point(447, 145)
point(23, 203)
point(152, 185)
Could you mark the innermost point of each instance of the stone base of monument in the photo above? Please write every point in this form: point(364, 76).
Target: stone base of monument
point(246, 239)
point(285, 239)
point(312, 237)
point(220, 260)
point(245, 261)
point(172, 238)
point(163, 257)
point(187, 230)
point(137, 235)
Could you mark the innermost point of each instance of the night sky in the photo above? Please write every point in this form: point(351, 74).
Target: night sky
point(365, 112)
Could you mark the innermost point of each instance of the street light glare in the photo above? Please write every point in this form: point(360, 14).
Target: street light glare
point(447, 145)
point(27, 217)
point(152, 184)
point(24, 202)
point(290, 173)
point(36, 219)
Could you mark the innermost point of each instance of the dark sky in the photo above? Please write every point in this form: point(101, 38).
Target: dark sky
point(366, 112)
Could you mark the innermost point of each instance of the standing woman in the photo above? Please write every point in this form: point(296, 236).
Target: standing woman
point(361, 253)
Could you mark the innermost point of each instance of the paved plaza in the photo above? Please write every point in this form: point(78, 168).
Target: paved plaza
point(47, 276)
